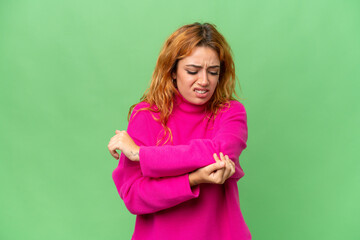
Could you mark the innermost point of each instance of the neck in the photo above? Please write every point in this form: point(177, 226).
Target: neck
point(186, 106)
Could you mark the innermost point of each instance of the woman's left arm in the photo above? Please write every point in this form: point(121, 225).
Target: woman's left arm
point(170, 160)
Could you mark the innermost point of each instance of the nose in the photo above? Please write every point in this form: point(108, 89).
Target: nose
point(203, 81)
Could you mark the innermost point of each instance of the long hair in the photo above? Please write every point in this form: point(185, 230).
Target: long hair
point(179, 45)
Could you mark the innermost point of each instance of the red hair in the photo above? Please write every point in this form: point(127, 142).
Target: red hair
point(179, 45)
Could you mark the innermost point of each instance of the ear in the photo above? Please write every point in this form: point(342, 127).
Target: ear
point(173, 75)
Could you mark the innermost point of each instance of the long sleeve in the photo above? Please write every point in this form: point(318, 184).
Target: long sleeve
point(172, 160)
point(142, 194)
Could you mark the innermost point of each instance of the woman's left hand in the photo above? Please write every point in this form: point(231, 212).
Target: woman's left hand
point(123, 142)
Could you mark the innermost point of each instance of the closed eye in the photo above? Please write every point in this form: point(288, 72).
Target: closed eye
point(212, 73)
point(192, 73)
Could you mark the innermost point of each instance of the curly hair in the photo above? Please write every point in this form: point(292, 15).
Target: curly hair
point(179, 45)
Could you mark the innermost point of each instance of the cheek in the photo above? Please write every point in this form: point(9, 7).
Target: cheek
point(186, 80)
point(214, 82)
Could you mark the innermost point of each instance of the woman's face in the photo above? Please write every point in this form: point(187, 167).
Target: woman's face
point(197, 75)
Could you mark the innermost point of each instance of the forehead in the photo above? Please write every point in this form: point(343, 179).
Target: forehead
point(202, 56)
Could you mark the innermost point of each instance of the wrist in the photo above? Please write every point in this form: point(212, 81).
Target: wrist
point(134, 154)
point(137, 154)
point(193, 180)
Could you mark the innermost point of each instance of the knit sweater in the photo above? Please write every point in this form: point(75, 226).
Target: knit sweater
point(157, 188)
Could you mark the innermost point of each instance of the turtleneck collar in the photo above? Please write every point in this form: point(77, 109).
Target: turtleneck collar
point(186, 106)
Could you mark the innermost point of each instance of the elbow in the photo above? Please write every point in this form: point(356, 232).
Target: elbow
point(129, 202)
point(128, 190)
point(239, 173)
point(233, 149)
point(134, 208)
point(115, 175)
point(133, 203)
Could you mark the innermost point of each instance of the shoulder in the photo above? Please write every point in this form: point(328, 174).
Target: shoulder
point(141, 105)
point(231, 111)
point(142, 127)
point(142, 111)
point(233, 107)
point(234, 104)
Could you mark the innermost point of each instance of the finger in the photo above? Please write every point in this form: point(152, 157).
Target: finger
point(227, 171)
point(115, 154)
point(216, 157)
point(232, 169)
point(231, 161)
point(232, 166)
point(112, 151)
point(117, 131)
point(217, 176)
point(214, 167)
point(226, 168)
point(223, 163)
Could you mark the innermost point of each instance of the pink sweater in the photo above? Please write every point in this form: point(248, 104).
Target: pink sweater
point(157, 188)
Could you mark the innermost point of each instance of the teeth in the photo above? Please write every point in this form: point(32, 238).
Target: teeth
point(198, 91)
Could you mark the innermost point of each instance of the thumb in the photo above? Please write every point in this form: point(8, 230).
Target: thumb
point(215, 166)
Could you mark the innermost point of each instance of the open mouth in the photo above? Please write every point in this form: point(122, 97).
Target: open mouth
point(201, 91)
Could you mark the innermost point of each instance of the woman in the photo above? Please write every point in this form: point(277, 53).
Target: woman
point(179, 165)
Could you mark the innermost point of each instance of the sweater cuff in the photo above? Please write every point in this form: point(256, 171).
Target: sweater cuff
point(195, 190)
point(143, 152)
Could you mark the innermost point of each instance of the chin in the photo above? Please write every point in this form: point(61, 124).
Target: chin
point(199, 101)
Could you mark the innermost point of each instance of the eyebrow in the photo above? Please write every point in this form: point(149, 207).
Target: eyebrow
point(198, 66)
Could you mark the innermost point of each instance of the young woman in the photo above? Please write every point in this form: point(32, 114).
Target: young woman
point(179, 165)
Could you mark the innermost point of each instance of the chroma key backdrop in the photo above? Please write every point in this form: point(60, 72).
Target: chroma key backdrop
point(70, 70)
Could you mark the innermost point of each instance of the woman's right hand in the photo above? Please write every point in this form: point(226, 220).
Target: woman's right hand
point(216, 173)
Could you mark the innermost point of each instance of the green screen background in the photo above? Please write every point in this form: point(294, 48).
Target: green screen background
point(70, 70)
